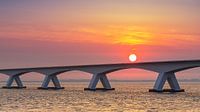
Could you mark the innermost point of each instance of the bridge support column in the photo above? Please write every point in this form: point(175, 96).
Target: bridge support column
point(55, 81)
point(10, 81)
point(162, 78)
point(94, 81)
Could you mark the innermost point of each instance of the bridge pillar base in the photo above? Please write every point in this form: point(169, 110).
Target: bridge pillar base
point(171, 79)
point(103, 79)
point(102, 89)
point(13, 87)
point(55, 81)
point(166, 90)
point(11, 79)
point(51, 88)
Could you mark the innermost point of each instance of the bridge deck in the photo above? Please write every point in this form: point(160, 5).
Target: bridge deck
point(166, 70)
point(99, 65)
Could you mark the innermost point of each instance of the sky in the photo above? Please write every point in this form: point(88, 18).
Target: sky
point(75, 32)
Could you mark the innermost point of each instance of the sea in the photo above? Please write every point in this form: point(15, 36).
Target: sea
point(127, 97)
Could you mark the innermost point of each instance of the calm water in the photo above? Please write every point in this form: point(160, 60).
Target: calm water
point(128, 97)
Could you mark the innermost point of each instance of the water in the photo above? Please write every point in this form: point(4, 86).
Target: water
point(128, 97)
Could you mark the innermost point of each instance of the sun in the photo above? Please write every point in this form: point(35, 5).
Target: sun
point(132, 57)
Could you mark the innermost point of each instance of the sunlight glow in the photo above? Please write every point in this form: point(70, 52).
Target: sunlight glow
point(132, 57)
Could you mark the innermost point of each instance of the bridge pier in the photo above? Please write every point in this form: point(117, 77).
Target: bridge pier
point(10, 81)
point(55, 81)
point(94, 81)
point(162, 78)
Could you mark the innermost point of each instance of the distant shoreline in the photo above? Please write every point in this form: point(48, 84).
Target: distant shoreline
point(87, 80)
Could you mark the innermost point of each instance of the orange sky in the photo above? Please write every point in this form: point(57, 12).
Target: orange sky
point(48, 33)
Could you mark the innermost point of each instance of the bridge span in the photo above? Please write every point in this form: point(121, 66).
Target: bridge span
point(166, 72)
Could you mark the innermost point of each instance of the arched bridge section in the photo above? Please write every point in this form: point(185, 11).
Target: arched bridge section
point(165, 69)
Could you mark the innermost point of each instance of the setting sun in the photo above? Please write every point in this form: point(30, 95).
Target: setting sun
point(132, 57)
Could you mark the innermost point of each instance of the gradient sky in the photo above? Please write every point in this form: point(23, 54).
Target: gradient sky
point(71, 32)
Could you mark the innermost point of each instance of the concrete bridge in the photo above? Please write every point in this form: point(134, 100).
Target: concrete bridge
point(166, 72)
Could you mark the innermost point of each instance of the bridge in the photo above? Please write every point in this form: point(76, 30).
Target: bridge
point(166, 71)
